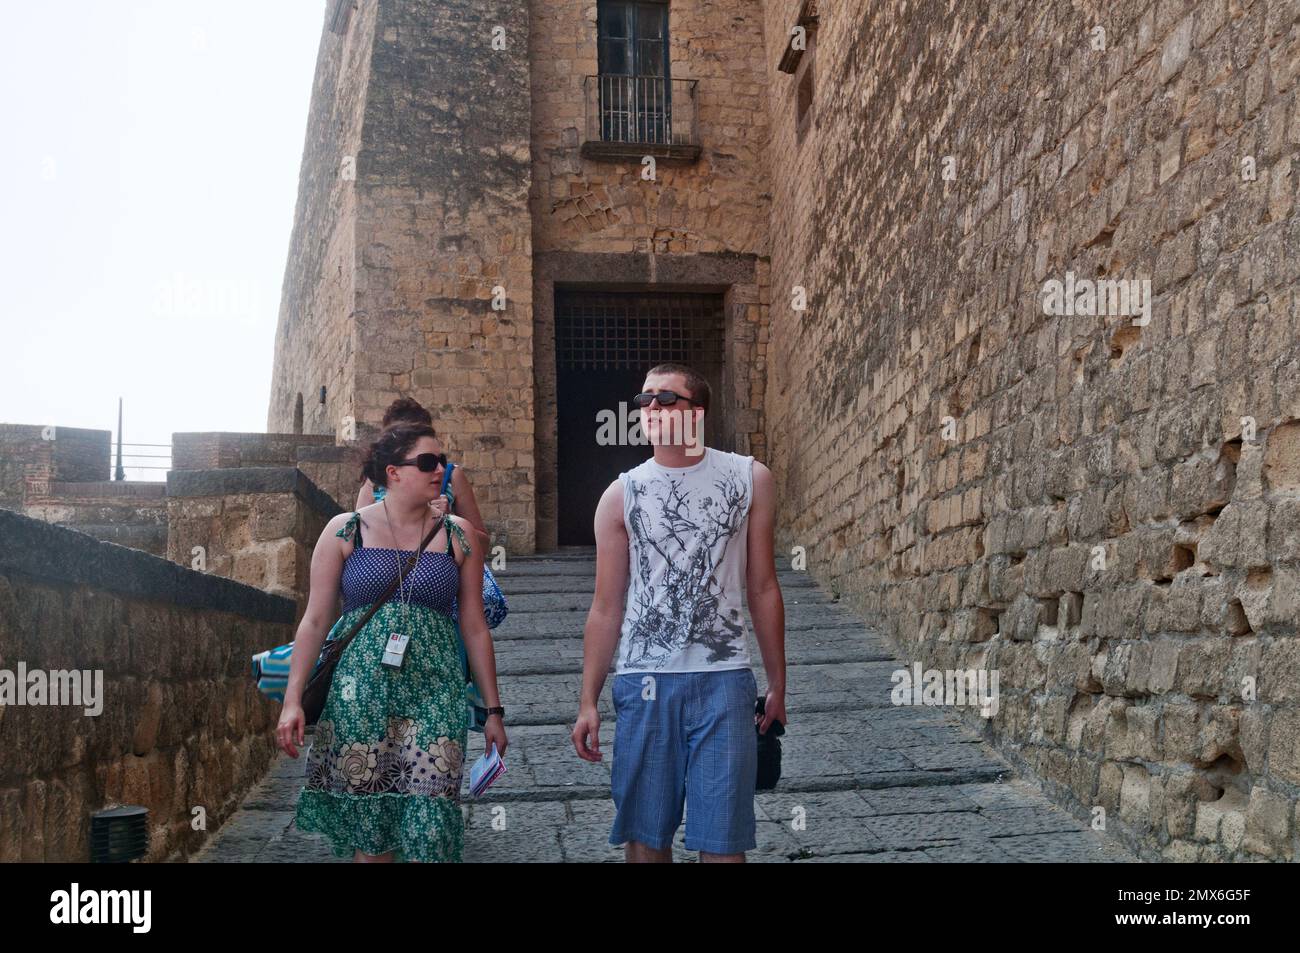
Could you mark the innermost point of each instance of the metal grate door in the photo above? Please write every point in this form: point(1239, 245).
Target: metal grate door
point(636, 330)
point(605, 342)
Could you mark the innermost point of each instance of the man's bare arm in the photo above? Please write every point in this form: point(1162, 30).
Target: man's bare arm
point(763, 592)
point(604, 621)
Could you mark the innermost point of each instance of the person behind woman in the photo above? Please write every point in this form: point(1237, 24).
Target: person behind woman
point(384, 770)
point(408, 411)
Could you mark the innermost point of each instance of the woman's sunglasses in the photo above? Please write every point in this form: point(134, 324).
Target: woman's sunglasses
point(426, 462)
point(666, 398)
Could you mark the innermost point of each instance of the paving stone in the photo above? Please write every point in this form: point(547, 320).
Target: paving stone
point(914, 831)
point(513, 845)
point(496, 817)
point(835, 835)
point(783, 807)
point(1074, 847)
point(1038, 819)
point(969, 852)
point(1012, 793)
point(927, 800)
point(883, 857)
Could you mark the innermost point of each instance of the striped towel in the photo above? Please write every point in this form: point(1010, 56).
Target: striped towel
point(271, 670)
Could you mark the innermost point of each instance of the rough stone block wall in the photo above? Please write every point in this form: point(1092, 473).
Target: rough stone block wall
point(315, 338)
point(33, 455)
point(717, 204)
point(226, 450)
point(257, 526)
point(1103, 511)
point(336, 470)
point(182, 725)
point(436, 111)
point(127, 512)
point(696, 225)
point(442, 220)
point(333, 467)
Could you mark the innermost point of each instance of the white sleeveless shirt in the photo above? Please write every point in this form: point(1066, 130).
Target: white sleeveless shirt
point(687, 534)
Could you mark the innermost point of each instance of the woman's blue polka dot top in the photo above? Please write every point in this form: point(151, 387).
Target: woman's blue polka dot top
point(434, 582)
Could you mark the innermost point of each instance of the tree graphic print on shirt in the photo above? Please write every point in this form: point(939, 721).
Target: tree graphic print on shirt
point(681, 608)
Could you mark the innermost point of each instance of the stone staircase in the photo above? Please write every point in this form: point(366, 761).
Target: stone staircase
point(862, 780)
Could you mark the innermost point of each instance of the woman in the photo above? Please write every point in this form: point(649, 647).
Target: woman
point(407, 410)
point(385, 766)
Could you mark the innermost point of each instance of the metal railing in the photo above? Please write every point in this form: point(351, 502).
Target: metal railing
point(649, 110)
point(132, 452)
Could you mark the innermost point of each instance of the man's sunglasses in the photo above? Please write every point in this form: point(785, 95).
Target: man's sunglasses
point(426, 462)
point(666, 398)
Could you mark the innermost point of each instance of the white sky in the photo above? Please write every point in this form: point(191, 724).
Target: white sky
point(146, 198)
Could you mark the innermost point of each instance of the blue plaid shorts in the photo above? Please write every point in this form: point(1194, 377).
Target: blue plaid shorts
point(693, 742)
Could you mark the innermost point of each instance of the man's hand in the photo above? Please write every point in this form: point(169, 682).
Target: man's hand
point(586, 734)
point(773, 710)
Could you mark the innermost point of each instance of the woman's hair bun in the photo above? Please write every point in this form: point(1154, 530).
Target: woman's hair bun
point(406, 410)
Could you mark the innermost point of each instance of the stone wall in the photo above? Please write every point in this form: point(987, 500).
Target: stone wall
point(435, 219)
point(315, 340)
point(333, 467)
point(336, 470)
point(62, 475)
point(1104, 511)
point(442, 220)
point(127, 512)
point(224, 450)
point(255, 525)
point(717, 204)
point(31, 456)
point(699, 225)
point(182, 725)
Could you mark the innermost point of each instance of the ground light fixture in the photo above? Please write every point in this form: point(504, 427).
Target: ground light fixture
point(119, 835)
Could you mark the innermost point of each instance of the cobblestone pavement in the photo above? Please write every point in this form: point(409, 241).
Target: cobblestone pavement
point(862, 780)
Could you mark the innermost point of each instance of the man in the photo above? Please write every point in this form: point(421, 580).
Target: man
point(675, 538)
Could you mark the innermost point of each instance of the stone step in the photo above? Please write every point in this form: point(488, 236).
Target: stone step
point(550, 698)
point(866, 780)
point(550, 623)
point(907, 785)
point(514, 581)
point(560, 656)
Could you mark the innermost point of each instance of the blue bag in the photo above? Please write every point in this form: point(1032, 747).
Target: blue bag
point(494, 600)
point(494, 608)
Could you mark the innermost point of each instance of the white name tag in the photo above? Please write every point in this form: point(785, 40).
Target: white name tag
point(395, 650)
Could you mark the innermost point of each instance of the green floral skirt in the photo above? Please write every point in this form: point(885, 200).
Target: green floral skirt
point(385, 765)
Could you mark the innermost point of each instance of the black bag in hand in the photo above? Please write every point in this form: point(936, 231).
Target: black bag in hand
point(769, 750)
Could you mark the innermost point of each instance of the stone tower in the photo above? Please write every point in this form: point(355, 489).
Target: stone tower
point(510, 211)
point(412, 206)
